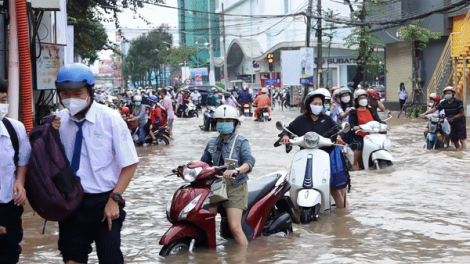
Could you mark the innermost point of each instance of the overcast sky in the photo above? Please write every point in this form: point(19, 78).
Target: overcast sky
point(133, 26)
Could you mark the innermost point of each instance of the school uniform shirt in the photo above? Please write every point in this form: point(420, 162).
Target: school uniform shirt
point(7, 154)
point(107, 147)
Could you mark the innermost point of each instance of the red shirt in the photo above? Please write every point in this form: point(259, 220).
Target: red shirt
point(363, 117)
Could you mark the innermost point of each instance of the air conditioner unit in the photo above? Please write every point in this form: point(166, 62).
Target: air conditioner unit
point(47, 5)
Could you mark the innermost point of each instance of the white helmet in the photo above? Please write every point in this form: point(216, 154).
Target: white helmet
point(226, 111)
point(336, 93)
point(137, 98)
point(325, 93)
point(359, 92)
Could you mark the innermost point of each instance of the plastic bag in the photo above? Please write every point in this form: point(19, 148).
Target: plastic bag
point(446, 127)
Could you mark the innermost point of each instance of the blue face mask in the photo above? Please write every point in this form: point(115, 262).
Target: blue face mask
point(326, 108)
point(138, 103)
point(225, 128)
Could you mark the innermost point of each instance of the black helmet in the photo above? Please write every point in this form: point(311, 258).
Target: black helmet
point(311, 95)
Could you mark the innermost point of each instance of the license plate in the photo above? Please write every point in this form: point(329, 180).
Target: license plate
point(246, 111)
point(265, 114)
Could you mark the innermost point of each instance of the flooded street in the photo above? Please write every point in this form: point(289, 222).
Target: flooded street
point(416, 211)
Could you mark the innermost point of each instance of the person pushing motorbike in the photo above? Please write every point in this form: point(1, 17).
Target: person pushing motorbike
point(315, 120)
point(454, 111)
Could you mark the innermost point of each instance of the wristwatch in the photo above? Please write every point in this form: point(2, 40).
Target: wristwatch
point(238, 171)
point(116, 197)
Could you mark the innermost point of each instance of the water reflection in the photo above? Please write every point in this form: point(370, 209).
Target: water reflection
point(413, 212)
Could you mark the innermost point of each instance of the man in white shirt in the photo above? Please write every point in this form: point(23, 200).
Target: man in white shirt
point(13, 167)
point(101, 152)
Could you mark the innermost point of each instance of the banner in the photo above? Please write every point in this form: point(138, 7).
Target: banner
point(106, 67)
point(306, 66)
point(199, 71)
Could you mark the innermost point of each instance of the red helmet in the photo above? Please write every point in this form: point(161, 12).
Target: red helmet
point(435, 97)
point(125, 110)
point(371, 92)
point(449, 88)
point(245, 88)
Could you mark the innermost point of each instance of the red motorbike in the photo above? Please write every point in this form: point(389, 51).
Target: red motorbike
point(269, 211)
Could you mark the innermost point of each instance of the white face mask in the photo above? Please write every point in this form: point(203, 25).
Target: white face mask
point(448, 96)
point(75, 105)
point(316, 109)
point(3, 111)
point(363, 102)
point(346, 99)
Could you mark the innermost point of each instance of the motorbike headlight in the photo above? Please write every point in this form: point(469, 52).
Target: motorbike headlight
point(189, 175)
point(188, 208)
point(375, 127)
point(311, 139)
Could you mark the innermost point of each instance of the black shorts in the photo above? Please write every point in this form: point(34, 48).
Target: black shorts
point(357, 142)
point(82, 227)
point(10, 218)
point(458, 131)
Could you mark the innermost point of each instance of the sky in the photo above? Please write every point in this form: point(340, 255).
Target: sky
point(133, 26)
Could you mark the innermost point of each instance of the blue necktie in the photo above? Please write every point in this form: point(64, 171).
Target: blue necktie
point(77, 150)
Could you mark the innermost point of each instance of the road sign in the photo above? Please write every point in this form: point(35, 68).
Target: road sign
point(187, 82)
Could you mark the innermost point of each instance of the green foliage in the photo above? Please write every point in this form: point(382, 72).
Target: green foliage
point(220, 84)
point(415, 34)
point(148, 54)
point(179, 55)
point(368, 57)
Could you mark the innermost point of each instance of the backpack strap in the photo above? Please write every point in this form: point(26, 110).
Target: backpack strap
point(13, 138)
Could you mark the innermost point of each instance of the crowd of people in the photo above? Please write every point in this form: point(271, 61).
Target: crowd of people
point(99, 146)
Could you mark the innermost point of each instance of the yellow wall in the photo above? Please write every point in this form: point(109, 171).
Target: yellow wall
point(399, 67)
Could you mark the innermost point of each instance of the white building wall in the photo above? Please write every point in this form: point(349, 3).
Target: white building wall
point(287, 30)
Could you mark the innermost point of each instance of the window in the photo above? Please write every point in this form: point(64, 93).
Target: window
point(286, 6)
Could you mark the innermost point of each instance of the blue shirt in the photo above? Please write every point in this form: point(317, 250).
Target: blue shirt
point(244, 97)
point(217, 148)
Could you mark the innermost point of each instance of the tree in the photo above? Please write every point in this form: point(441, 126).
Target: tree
point(419, 37)
point(179, 55)
point(368, 60)
point(89, 34)
point(147, 56)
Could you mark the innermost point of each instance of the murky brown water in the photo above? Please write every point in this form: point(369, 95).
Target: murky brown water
point(415, 212)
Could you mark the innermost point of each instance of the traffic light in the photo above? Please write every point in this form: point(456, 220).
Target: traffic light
point(271, 62)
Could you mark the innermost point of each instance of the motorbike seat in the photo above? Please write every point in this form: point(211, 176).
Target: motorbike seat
point(258, 188)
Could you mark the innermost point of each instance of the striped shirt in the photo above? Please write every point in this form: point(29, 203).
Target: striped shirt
point(166, 102)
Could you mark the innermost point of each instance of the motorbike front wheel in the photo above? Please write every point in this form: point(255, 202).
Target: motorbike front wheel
point(180, 246)
point(305, 215)
point(161, 140)
point(193, 114)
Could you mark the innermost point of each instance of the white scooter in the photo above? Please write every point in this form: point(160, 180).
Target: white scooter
point(377, 146)
point(310, 173)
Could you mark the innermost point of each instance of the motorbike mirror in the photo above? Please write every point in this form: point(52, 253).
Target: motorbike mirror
point(280, 125)
point(345, 127)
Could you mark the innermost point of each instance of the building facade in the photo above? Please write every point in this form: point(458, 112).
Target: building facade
point(398, 54)
point(193, 19)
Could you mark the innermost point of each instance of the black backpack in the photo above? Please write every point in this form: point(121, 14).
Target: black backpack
point(13, 138)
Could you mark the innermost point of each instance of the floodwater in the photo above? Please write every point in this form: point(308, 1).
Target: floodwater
point(416, 211)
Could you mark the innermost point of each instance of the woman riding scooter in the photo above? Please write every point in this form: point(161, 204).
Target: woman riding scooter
point(314, 120)
point(217, 150)
point(360, 115)
point(434, 100)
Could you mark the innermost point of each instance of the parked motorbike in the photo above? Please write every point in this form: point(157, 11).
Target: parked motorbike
point(209, 121)
point(436, 134)
point(310, 173)
point(377, 146)
point(269, 210)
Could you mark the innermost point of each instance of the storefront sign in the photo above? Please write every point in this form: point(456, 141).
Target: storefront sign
point(338, 61)
point(306, 66)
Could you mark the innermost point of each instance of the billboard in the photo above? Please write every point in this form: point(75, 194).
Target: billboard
point(48, 65)
point(290, 67)
point(106, 67)
point(306, 66)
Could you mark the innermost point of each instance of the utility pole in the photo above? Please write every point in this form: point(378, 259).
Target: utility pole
point(211, 47)
point(319, 47)
point(309, 22)
point(223, 48)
